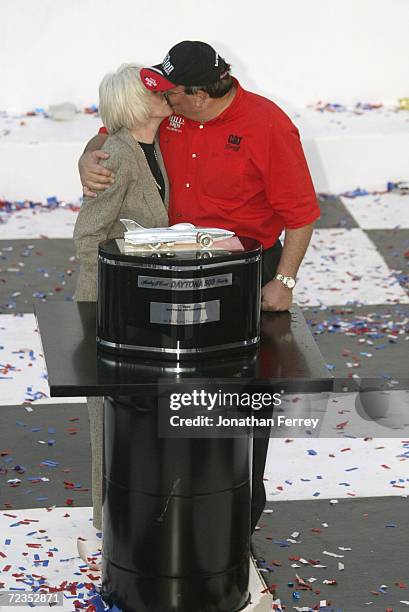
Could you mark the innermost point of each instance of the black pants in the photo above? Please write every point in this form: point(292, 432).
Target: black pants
point(271, 258)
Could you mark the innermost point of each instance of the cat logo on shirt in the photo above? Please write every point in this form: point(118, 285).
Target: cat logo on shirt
point(175, 123)
point(233, 142)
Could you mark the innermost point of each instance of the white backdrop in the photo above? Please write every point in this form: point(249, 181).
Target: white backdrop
point(293, 51)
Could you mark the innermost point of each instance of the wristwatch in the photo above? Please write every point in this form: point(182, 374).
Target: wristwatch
point(287, 281)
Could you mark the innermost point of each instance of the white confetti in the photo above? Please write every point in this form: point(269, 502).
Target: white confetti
point(294, 541)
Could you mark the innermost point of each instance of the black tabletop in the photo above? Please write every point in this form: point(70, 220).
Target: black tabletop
point(287, 355)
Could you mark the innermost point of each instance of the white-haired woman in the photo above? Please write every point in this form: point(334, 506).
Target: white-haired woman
point(131, 115)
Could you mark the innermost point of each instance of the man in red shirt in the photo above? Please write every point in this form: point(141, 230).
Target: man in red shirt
point(234, 160)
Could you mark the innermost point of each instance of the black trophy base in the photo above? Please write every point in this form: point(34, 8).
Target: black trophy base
point(180, 307)
point(226, 592)
point(211, 352)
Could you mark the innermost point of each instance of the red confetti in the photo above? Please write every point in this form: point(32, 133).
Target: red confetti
point(342, 425)
point(271, 589)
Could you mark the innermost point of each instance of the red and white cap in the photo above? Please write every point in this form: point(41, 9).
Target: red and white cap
point(154, 79)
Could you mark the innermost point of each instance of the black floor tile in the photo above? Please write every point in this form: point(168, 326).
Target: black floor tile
point(393, 245)
point(334, 214)
point(35, 270)
point(67, 425)
point(377, 531)
point(387, 326)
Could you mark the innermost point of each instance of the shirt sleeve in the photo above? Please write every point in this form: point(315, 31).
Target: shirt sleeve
point(288, 181)
point(94, 221)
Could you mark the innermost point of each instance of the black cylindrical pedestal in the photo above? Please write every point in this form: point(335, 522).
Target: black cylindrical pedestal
point(176, 515)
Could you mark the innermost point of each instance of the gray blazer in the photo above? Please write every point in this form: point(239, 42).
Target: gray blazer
point(133, 195)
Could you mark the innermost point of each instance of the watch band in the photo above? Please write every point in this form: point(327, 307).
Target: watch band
point(287, 281)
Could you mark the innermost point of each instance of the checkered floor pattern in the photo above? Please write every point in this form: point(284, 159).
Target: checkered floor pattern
point(354, 291)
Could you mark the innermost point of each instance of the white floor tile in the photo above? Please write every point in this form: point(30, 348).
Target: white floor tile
point(23, 376)
point(326, 468)
point(344, 266)
point(60, 528)
point(388, 211)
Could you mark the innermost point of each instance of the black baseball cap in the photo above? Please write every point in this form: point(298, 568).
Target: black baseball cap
point(188, 63)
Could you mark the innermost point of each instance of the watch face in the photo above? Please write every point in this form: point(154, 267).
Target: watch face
point(290, 283)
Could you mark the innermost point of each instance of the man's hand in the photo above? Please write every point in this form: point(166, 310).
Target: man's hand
point(94, 177)
point(276, 297)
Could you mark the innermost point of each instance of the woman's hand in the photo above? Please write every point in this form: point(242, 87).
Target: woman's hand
point(94, 177)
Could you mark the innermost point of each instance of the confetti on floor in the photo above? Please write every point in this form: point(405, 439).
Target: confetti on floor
point(337, 468)
point(343, 266)
point(23, 374)
point(41, 549)
point(359, 270)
